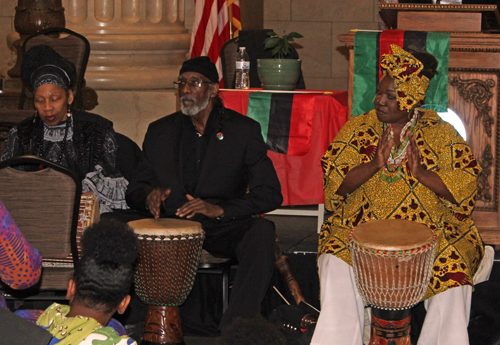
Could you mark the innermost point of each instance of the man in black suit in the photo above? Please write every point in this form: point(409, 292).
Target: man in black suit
point(209, 164)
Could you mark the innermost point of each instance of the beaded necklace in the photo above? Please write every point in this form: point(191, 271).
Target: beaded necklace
point(393, 168)
point(63, 144)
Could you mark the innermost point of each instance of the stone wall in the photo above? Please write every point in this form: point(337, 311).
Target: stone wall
point(7, 12)
point(320, 21)
point(324, 58)
point(325, 61)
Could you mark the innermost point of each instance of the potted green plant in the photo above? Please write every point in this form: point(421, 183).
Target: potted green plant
point(279, 73)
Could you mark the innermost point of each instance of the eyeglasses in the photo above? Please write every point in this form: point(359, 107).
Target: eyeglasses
point(192, 83)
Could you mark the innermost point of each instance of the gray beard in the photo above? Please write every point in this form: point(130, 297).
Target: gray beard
point(195, 109)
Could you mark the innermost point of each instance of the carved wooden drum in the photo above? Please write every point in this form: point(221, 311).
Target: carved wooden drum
point(169, 254)
point(392, 261)
point(88, 214)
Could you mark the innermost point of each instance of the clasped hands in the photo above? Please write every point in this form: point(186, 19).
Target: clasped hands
point(193, 206)
point(384, 150)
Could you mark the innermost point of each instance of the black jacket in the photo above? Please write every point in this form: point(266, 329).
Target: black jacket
point(237, 174)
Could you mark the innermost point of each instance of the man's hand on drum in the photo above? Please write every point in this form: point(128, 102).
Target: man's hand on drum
point(196, 205)
point(155, 200)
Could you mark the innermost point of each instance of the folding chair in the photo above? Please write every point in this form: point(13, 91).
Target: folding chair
point(45, 205)
point(70, 45)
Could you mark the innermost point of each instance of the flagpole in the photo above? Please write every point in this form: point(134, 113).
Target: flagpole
point(230, 18)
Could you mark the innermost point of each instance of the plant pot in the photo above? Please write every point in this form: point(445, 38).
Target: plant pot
point(278, 74)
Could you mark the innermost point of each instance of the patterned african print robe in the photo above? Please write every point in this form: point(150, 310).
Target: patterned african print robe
point(443, 151)
point(78, 330)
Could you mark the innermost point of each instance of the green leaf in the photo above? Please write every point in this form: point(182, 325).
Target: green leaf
point(271, 42)
point(275, 51)
point(286, 47)
point(280, 46)
point(295, 35)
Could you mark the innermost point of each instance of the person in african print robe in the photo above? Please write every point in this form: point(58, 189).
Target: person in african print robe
point(20, 268)
point(400, 161)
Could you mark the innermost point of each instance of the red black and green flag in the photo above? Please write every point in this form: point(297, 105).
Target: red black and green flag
point(369, 46)
point(285, 119)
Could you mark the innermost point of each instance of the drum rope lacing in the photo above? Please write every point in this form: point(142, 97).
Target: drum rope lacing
point(397, 286)
point(178, 255)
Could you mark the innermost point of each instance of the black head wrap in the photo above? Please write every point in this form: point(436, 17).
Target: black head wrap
point(43, 65)
point(202, 65)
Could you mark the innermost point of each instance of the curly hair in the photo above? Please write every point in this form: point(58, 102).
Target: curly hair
point(105, 272)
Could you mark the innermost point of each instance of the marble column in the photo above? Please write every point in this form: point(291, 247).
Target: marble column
point(136, 44)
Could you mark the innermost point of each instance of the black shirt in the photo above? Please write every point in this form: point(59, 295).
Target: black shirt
point(193, 150)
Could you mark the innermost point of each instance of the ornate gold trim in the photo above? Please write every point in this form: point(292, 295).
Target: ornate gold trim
point(435, 8)
point(484, 50)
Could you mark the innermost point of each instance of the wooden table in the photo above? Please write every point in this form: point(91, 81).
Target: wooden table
point(301, 176)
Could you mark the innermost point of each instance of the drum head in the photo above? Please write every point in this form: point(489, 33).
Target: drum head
point(392, 234)
point(165, 227)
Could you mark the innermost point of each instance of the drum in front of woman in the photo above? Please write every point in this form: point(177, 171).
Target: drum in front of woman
point(392, 261)
point(169, 254)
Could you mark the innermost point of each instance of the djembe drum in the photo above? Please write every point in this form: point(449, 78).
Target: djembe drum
point(169, 254)
point(392, 261)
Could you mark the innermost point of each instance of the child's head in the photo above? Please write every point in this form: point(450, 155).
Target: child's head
point(105, 272)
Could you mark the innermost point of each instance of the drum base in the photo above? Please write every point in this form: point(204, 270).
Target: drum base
point(163, 326)
point(390, 327)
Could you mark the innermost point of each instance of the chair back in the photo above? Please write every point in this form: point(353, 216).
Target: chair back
point(70, 45)
point(44, 204)
point(229, 54)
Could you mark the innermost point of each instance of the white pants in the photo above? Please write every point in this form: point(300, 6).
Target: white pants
point(341, 320)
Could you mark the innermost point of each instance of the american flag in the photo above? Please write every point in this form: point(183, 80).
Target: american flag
point(234, 12)
point(211, 28)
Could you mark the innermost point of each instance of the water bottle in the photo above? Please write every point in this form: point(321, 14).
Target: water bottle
point(242, 70)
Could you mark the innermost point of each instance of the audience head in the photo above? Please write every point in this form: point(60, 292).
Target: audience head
point(198, 85)
point(104, 275)
point(51, 77)
point(250, 331)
